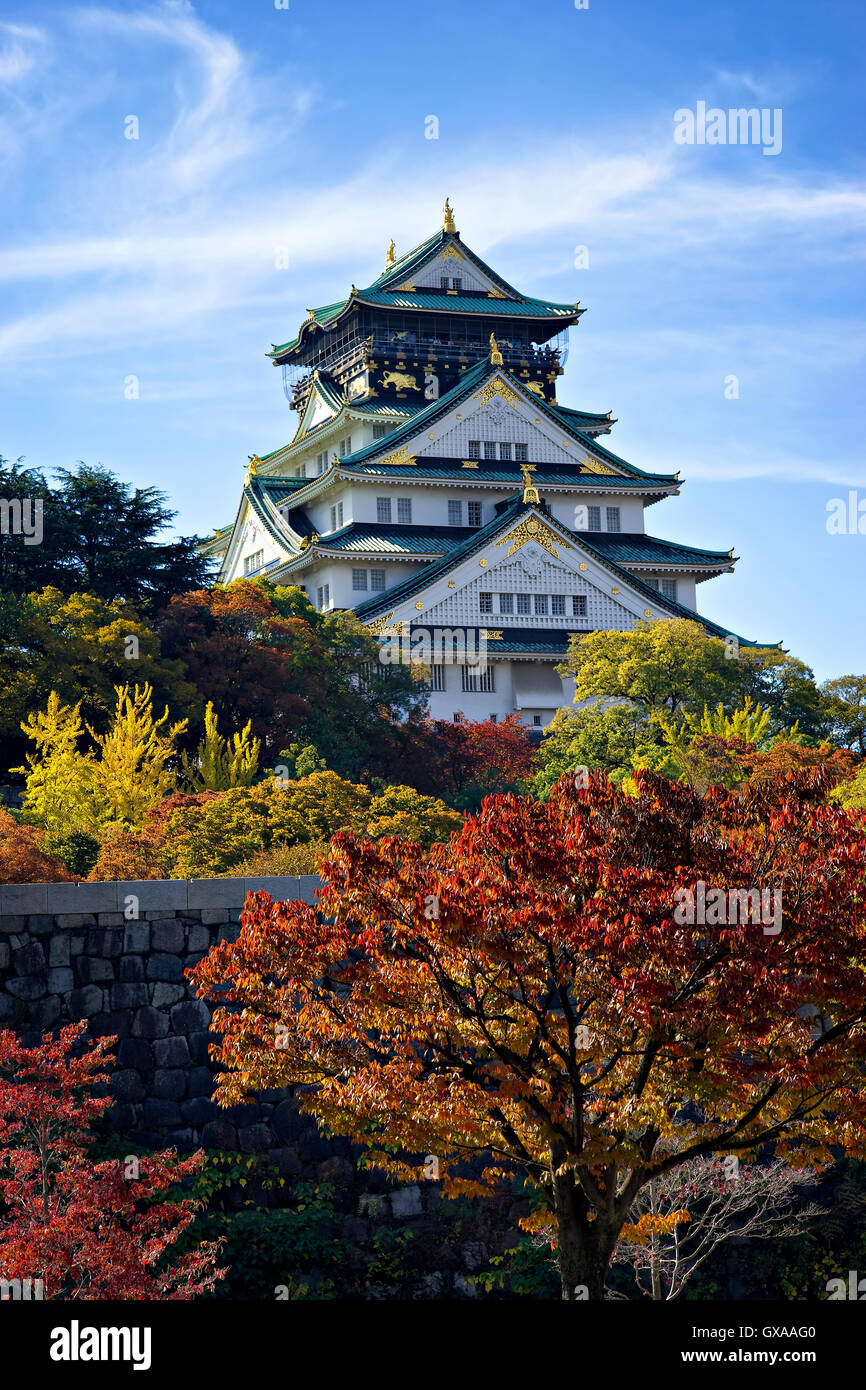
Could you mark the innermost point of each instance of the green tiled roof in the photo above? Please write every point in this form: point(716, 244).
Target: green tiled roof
point(469, 382)
point(567, 475)
point(374, 536)
point(586, 417)
point(373, 607)
point(384, 292)
point(638, 549)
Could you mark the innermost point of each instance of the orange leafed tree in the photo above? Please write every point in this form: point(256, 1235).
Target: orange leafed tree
point(526, 996)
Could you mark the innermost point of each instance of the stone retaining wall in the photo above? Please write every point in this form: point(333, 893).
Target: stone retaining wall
point(115, 955)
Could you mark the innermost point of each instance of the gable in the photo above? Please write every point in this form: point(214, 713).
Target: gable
point(453, 262)
point(320, 408)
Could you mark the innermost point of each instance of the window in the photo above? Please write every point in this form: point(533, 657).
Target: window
point(377, 581)
point(444, 282)
point(557, 605)
point(345, 446)
point(321, 461)
point(379, 431)
point(486, 603)
point(455, 513)
point(473, 680)
point(336, 516)
point(456, 283)
point(324, 595)
point(536, 719)
point(578, 605)
point(594, 518)
point(523, 603)
point(506, 603)
point(521, 453)
point(301, 472)
point(437, 681)
point(541, 605)
point(404, 510)
point(359, 579)
point(475, 448)
point(492, 718)
point(254, 562)
point(489, 449)
point(613, 518)
point(669, 588)
point(505, 451)
point(383, 509)
point(473, 513)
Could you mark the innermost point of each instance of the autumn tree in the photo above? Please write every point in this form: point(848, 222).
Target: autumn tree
point(682, 1218)
point(529, 997)
point(846, 709)
point(87, 1229)
point(23, 857)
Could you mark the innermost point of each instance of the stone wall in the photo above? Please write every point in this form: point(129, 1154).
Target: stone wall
point(115, 955)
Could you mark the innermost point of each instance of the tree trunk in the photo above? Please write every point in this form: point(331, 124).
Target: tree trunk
point(585, 1246)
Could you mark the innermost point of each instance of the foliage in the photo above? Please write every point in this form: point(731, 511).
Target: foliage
point(283, 860)
point(465, 760)
point(89, 1230)
point(59, 789)
point(852, 793)
point(82, 647)
point(22, 856)
point(78, 851)
point(528, 992)
point(607, 738)
point(220, 763)
point(846, 697)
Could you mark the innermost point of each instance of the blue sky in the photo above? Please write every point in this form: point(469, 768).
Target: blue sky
point(302, 131)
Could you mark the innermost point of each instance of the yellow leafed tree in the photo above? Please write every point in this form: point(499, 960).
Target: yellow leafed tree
point(219, 763)
point(133, 772)
point(58, 792)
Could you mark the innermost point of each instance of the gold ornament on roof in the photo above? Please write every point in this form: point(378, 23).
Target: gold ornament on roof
point(497, 387)
point(495, 354)
point(253, 465)
point(533, 529)
point(448, 222)
point(530, 491)
point(390, 259)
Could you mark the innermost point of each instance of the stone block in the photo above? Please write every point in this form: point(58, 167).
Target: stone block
point(215, 916)
point(190, 1016)
point(136, 938)
point(10, 1009)
point(27, 986)
point(58, 950)
point(63, 898)
point(407, 1202)
point(9, 925)
point(130, 969)
point(43, 1013)
point(109, 1023)
point(201, 1081)
point(199, 938)
point(93, 971)
point(154, 895)
point(171, 1052)
point(129, 996)
point(161, 1113)
point(5, 955)
point(199, 1046)
point(104, 942)
point(254, 1138)
point(336, 1172)
point(135, 1052)
point(111, 919)
point(40, 924)
point(230, 931)
point(83, 1003)
point(216, 892)
point(16, 898)
point(168, 936)
point(199, 1111)
point(169, 1083)
point(219, 1134)
point(150, 1023)
point(165, 995)
point(161, 966)
point(28, 960)
point(372, 1206)
point(66, 921)
point(127, 1086)
point(60, 980)
point(307, 887)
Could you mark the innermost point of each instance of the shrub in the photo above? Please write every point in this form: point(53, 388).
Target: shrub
point(22, 858)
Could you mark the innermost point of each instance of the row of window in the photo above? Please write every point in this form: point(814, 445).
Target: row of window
point(404, 510)
point(540, 604)
point(254, 562)
point(593, 518)
point(470, 679)
point(667, 587)
point(453, 282)
point(376, 581)
point(493, 448)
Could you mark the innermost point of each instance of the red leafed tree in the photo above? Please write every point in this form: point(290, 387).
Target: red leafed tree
point(22, 858)
point(468, 759)
point(88, 1230)
point(526, 995)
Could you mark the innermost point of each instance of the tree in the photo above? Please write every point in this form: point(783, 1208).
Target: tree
point(265, 655)
point(465, 760)
point(527, 995)
point(221, 763)
point(132, 772)
point(103, 536)
point(680, 1219)
point(611, 738)
point(28, 557)
point(59, 788)
point(88, 1230)
point(82, 648)
point(23, 858)
point(846, 711)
